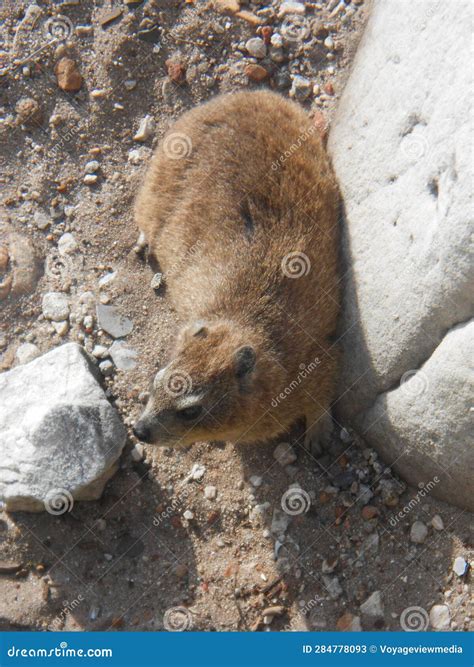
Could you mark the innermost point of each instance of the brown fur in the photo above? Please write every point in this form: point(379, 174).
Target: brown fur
point(220, 222)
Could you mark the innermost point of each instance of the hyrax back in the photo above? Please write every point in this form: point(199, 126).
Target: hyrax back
point(240, 208)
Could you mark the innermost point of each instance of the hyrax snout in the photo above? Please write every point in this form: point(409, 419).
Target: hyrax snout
point(240, 208)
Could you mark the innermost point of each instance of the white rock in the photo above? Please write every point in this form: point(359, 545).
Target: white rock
point(111, 321)
point(437, 522)
point(329, 42)
point(107, 278)
point(291, 8)
point(440, 617)
point(68, 439)
point(124, 357)
point(301, 87)
point(256, 47)
point(138, 452)
point(284, 454)
point(67, 244)
point(418, 532)
point(55, 306)
point(460, 566)
point(197, 471)
point(106, 367)
point(145, 129)
point(333, 586)
point(91, 167)
point(27, 352)
point(255, 480)
point(410, 271)
point(90, 179)
point(276, 40)
point(61, 328)
point(210, 492)
point(280, 522)
point(188, 515)
point(100, 351)
point(41, 220)
point(373, 606)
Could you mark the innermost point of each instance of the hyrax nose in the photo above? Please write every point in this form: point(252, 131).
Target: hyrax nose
point(142, 431)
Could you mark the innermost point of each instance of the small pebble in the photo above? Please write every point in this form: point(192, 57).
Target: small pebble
point(91, 167)
point(138, 452)
point(440, 617)
point(437, 522)
point(55, 306)
point(418, 532)
point(145, 129)
point(106, 367)
point(256, 47)
point(284, 454)
point(210, 492)
point(301, 87)
point(90, 179)
point(460, 566)
point(291, 8)
point(27, 352)
point(156, 281)
point(255, 480)
point(188, 515)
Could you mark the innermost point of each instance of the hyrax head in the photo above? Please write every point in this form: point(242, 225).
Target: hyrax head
point(208, 391)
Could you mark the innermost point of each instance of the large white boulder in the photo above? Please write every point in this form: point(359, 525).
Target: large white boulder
point(401, 145)
point(60, 437)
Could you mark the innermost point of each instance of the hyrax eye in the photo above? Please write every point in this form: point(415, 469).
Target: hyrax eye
point(190, 413)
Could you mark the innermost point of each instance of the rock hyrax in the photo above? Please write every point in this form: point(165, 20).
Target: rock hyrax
point(240, 208)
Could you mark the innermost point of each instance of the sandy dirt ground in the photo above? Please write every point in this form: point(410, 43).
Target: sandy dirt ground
point(157, 551)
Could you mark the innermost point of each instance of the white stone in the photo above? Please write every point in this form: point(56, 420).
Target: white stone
point(27, 352)
point(61, 328)
point(68, 439)
point(112, 321)
point(197, 471)
point(280, 522)
point(67, 244)
point(291, 8)
point(124, 357)
point(210, 492)
point(145, 129)
point(256, 480)
point(440, 617)
point(256, 47)
point(418, 532)
point(284, 454)
point(106, 367)
point(332, 585)
point(373, 606)
point(401, 148)
point(55, 306)
point(41, 220)
point(437, 522)
point(91, 167)
point(90, 179)
point(460, 566)
point(188, 515)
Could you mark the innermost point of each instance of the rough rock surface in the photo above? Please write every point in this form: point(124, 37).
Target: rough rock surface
point(61, 438)
point(401, 149)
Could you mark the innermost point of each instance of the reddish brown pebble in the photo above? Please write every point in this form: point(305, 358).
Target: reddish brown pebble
point(266, 33)
point(68, 76)
point(369, 512)
point(329, 88)
point(256, 72)
point(176, 70)
point(324, 497)
point(344, 623)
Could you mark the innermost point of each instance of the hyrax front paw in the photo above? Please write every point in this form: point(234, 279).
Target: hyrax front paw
point(141, 244)
point(318, 433)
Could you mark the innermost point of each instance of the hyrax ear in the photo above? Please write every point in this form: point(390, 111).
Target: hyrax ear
point(244, 360)
point(198, 329)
